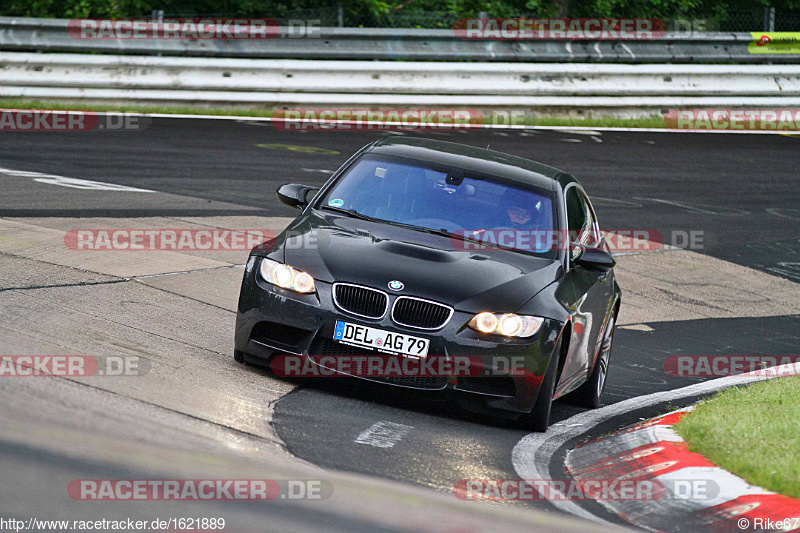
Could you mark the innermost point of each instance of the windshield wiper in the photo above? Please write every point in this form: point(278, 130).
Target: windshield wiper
point(440, 232)
point(349, 212)
point(461, 237)
point(355, 214)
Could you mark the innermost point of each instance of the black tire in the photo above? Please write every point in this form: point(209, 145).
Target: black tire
point(238, 356)
point(539, 417)
point(588, 395)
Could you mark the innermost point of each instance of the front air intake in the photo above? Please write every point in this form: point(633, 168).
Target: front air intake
point(419, 313)
point(360, 301)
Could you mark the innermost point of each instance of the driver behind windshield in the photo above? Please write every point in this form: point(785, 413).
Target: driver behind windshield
point(517, 214)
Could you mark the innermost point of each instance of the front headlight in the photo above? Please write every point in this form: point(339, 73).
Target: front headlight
point(508, 324)
point(286, 277)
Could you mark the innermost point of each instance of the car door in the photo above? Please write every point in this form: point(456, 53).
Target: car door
point(588, 290)
point(602, 290)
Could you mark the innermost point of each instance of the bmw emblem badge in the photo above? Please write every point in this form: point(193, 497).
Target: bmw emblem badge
point(396, 285)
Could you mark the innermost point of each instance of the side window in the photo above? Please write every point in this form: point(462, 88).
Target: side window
point(590, 238)
point(576, 213)
point(579, 218)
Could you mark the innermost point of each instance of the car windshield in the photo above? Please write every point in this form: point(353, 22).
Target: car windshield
point(460, 203)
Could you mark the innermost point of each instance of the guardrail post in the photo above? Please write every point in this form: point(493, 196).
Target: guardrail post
point(158, 17)
point(769, 19)
point(340, 15)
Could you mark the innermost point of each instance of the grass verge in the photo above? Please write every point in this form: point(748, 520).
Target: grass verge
point(753, 432)
point(653, 121)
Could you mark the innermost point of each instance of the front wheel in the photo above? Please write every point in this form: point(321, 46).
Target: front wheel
point(588, 395)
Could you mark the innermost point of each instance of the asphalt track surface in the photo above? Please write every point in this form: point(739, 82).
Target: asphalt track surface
point(448, 445)
point(740, 191)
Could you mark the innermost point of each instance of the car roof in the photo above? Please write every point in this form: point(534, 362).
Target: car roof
point(474, 159)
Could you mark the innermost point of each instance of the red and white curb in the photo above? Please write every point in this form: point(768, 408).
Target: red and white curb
point(532, 456)
point(692, 492)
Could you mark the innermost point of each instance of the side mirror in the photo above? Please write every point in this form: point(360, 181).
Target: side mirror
point(295, 195)
point(594, 258)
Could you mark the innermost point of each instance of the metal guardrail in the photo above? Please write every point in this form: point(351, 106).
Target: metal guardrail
point(50, 35)
point(304, 83)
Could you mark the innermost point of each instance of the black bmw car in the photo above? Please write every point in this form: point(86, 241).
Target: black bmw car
point(418, 250)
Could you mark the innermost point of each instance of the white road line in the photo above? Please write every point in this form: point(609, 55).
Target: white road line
point(644, 252)
point(637, 327)
point(780, 212)
point(280, 393)
point(383, 434)
point(712, 211)
point(73, 183)
point(531, 456)
point(787, 269)
point(581, 132)
point(599, 200)
point(179, 272)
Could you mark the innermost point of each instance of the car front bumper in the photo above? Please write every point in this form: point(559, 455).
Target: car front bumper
point(272, 321)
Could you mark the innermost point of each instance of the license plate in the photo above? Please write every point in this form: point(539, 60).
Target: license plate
point(380, 340)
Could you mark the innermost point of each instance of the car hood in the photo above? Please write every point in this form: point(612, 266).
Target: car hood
point(339, 248)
